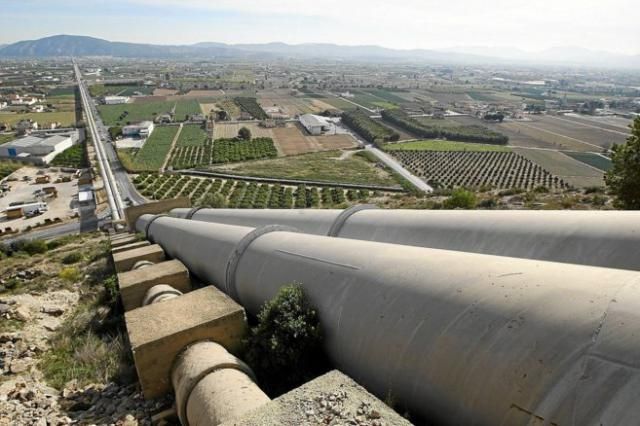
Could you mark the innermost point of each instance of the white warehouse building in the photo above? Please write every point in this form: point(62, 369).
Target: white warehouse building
point(142, 130)
point(39, 149)
point(115, 100)
point(315, 125)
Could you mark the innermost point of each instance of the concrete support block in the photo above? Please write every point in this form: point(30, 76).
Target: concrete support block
point(135, 284)
point(212, 386)
point(124, 261)
point(131, 246)
point(134, 212)
point(160, 331)
point(332, 398)
point(123, 239)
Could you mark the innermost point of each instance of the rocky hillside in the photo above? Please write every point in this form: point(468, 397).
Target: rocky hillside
point(63, 354)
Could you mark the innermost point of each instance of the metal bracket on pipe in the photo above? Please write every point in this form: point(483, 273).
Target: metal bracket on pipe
point(339, 222)
point(146, 228)
point(193, 211)
point(243, 244)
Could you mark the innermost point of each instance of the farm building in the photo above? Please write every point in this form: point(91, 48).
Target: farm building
point(142, 130)
point(314, 124)
point(40, 148)
point(115, 100)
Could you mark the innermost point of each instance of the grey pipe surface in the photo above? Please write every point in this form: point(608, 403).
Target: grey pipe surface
point(459, 338)
point(597, 238)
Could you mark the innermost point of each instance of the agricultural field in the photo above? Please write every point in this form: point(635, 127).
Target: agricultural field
point(369, 129)
point(191, 156)
point(191, 135)
point(74, 156)
point(574, 172)
point(120, 115)
point(329, 166)
point(561, 133)
point(65, 118)
point(230, 130)
point(242, 194)
point(251, 106)
point(232, 150)
point(98, 90)
point(291, 140)
point(595, 160)
point(232, 109)
point(421, 129)
point(500, 170)
point(186, 108)
point(152, 155)
point(442, 145)
point(340, 103)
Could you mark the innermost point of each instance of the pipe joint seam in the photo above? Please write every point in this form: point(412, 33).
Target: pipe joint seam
point(195, 363)
point(238, 251)
point(193, 211)
point(344, 215)
point(146, 228)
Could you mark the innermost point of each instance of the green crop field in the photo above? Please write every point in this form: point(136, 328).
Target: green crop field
point(152, 155)
point(441, 145)
point(321, 166)
point(595, 160)
point(120, 115)
point(71, 157)
point(65, 118)
point(185, 108)
point(191, 135)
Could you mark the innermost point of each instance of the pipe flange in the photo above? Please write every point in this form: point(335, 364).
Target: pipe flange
point(193, 211)
point(339, 222)
point(146, 228)
point(238, 251)
point(200, 351)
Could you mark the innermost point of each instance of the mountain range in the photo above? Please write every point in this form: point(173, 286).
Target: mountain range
point(72, 45)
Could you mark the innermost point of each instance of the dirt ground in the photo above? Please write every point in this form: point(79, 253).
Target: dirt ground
point(164, 92)
point(292, 141)
point(207, 108)
point(61, 207)
point(230, 130)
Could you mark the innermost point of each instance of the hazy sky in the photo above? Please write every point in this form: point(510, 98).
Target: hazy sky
point(611, 25)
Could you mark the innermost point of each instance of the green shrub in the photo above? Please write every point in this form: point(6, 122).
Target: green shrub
point(30, 247)
point(73, 257)
point(460, 199)
point(285, 347)
point(70, 274)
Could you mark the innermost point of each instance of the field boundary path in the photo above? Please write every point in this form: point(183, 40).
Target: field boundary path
point(292, 182)
point(173, 145)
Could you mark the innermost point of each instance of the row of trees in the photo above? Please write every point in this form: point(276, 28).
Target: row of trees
point(368, 128)
point(459, 133)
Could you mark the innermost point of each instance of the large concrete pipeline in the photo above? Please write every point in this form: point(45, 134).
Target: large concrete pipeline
point(602, 238)
point(460, 338)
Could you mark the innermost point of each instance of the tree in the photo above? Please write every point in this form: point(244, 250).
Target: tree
point(623, 179)
point(214, 201)
point(244, 134)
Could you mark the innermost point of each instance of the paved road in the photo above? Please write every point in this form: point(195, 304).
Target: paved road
point(398, 168)
point(389, 161)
